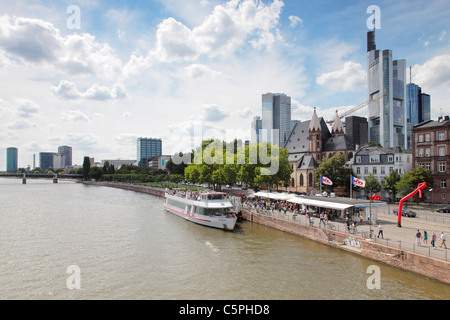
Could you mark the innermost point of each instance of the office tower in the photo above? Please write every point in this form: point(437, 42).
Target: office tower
point(276, 118)
point(148, 148)
point(356, 129)
point(67, 152)
point(418, 108)
point(256, 130)
point(386, 96)
point(11, 159)
point(46, 160)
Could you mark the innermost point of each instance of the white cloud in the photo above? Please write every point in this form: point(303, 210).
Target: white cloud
point(350, 78)
point(200, 71)
point(68, 90)
point(434, 72)
point(21, 124)
point(75, 115)
point(38, 42)
point(295, 21)
point(213, 113)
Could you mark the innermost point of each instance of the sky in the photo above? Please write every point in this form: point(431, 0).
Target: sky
point(96, 75)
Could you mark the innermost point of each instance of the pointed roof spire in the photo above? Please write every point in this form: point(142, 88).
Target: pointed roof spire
point(315, 123)
point(337, 125)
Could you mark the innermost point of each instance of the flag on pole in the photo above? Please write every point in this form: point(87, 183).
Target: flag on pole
point(358, 182)
point(326, 181)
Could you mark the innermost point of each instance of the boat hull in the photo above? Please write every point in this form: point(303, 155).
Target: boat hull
point(213, 222)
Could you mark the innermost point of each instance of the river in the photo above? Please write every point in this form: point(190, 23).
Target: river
point(124, 245)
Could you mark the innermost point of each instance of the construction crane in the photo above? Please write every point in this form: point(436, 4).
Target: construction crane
point(356, 108)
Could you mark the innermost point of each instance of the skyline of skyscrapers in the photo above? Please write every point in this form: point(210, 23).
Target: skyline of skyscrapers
point(386, 95)
point(276, 118)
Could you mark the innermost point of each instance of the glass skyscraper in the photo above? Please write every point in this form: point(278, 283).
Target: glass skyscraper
point(418, 108)
point(148, 148)
point(276, 118)
point(387, 96)
point(11, 159)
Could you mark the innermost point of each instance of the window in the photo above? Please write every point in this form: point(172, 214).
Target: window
point(443, 184)
point(383, 171)
point(427, 137)
point(441, 151)
point(391, 169)
point(301, 180)
point(374, 170)
point(420, 137)
point(441, 136)
point(420, 152)
point(310, 179)
point(442, 196)
point(427, 152)
point(428, 166)
point(442, 167)
point(358, 170)
point(358, 159)
point(390, 158)
point(366, 170)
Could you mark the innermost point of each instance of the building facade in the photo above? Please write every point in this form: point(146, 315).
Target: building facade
point(147, 148)
point(66, 151)
point(46, 160)
point(418, 108)
point(256, 130)
point(12, 155)
point(276, 118)
point(431, 147)
point(379, 162)
point(386, 96)
point(308, 144)
point(357, 130)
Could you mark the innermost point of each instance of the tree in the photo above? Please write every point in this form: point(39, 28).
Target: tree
point(411, 180)
point(96, 173)
point(390, 183)
point(86, 168)
point(372, 185)
point(334, 169)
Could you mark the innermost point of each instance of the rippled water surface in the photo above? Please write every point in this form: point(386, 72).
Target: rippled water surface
point(128, 247)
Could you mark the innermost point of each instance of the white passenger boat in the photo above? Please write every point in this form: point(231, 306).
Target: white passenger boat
point(210, 209)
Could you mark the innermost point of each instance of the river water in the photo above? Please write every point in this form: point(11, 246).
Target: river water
point(126, 246)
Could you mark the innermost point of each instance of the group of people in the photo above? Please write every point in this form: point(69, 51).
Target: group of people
point(433, 239)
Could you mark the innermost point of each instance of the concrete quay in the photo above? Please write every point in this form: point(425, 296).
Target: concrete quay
point(397, 249)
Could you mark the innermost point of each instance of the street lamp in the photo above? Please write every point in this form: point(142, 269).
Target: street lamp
point(431, 190)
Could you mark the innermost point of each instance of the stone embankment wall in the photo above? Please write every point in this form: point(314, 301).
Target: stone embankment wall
point(142, 189)
point(430, 267)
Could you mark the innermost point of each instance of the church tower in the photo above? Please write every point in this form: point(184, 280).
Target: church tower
point(337, 129)
point(315, 138)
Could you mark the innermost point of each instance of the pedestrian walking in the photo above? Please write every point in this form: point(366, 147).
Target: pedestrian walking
point(380, 231)
point(311, 221)
point(418, 236)
point(425, 237)
point(321, 219)
point(433, 239)
point(443, 241)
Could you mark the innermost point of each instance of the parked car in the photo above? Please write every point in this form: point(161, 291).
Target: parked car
point(406, 213)
point(444, 209)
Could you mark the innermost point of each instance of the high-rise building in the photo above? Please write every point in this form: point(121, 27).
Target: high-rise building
point(46, 160)
point(356, 129)
point(276, 118)
point(148, 148)
point(256, 130)
point(11, 159)
point(418, 108)
point(386, 96)
point(67, 152)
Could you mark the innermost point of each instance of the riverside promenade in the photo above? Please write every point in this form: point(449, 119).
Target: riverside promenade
point(397, 247)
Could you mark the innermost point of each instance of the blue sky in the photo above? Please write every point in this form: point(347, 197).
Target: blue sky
point(162, 68)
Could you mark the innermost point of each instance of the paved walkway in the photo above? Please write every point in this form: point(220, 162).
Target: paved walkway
point(402, 238)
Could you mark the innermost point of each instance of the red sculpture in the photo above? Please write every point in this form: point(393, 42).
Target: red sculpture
point(419, 189)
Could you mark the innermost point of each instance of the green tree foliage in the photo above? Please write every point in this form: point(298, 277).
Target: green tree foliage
point(218, 163)
point(390, 183)
point(372, 185)
point(334, 169)
point(86, 168)
point(411, 180)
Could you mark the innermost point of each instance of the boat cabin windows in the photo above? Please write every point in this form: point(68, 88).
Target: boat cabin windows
point(212, 212)
point(212, 196)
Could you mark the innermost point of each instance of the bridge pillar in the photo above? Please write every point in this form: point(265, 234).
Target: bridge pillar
point(24, 179)
point(55, 179)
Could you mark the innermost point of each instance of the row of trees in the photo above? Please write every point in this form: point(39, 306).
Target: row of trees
point(394, 183)
point(216, 163)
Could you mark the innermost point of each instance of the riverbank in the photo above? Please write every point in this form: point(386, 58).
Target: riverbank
point(401, 257)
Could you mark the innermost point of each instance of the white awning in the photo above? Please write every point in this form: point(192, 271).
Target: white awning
point(275, 196)
point(320, 203)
